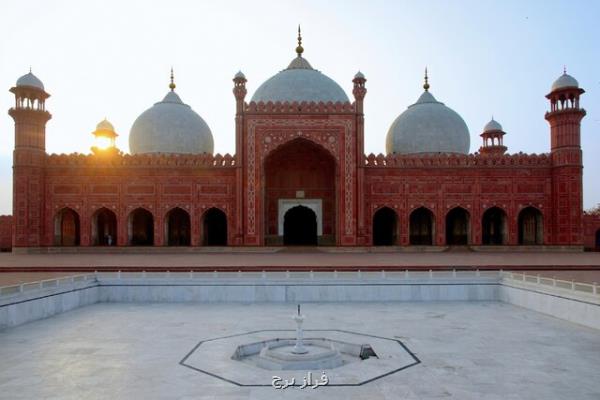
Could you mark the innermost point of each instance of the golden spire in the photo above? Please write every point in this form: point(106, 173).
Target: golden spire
point(172, 84)
point(426, 85)
point(299, 49)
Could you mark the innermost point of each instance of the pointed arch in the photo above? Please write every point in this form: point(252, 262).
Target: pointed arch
point(421, 227)
point(458, 232)
point(300, 226)
point(214, 227)
point(104, 227)
point(177, 227)
point(66, 227)
point(531, 226)
point(141, 227)
point(493, 227)
point(385, 227)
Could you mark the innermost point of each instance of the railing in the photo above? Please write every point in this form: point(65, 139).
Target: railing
point(53, 283)
point(552, 282)
point(300, 275)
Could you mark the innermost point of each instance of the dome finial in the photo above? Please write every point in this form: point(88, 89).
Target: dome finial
point(564, 69)
point(30, 69)
point(172, 84)
point(426, 85)
point(299, 49)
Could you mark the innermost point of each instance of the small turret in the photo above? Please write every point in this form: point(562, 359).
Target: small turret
point(104, 139)
point(493, 143)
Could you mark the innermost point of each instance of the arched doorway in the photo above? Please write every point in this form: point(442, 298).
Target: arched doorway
point(304, 172)
point(214, 226)
point(385, 225)
point(457, 227)
point(421, 227)
point(493, 227)
point(141, 228)
point(104, 228)
point(300, 227)
point(598, 239)
point(178, 227)
point(531, 228)
point(66, 228)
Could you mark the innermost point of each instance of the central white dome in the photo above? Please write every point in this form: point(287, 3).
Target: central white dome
point(300, 82)
point(170, 126)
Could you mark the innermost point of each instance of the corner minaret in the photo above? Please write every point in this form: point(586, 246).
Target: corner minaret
point(30, 116)
point(565, 117)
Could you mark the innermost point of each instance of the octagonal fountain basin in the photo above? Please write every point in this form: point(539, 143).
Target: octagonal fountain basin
point(320, 353)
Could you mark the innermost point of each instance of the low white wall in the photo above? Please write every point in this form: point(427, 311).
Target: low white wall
point(578, 303)
point(131, 291)
point(557, 304)
point(25, 307)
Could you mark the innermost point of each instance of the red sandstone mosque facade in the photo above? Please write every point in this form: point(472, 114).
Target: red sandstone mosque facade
point(299, 176)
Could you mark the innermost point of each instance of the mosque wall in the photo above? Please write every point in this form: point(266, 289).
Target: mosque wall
point(124, 183)
point(472, 182)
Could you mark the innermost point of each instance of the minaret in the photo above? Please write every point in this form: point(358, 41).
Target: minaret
point(565, 117)
point(493, 139)
point(239, 91)
point(359, 91)
point(30, 116)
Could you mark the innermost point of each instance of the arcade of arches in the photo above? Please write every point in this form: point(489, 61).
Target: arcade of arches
point(300, 169)
point(300, 224)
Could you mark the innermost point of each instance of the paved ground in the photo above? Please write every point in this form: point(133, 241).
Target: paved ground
point(467, 351)
point(297, 259)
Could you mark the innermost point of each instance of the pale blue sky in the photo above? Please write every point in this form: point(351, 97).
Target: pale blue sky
point(112, 59)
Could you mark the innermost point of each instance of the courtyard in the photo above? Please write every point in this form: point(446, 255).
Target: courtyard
point(467, 350)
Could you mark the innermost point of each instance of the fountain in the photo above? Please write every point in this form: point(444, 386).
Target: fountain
point(316, 353)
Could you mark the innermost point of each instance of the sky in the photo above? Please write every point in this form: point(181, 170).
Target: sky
point(112, 59)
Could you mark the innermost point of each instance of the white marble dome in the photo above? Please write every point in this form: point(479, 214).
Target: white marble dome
point(170, 126)
point(300, 82)
point(565, 81)
point(493, 125)
point(31, 80)
point(428, 126)
point(105, 125)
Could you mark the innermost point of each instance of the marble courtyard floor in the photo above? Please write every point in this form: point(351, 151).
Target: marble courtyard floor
point(467, 350)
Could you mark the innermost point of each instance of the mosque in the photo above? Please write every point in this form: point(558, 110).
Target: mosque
point(299, 175)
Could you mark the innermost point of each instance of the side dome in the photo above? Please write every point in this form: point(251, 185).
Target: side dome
point(170, 126)
point(428, 126)
point(565, 81)
point(31, 80)
point(300, 82)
